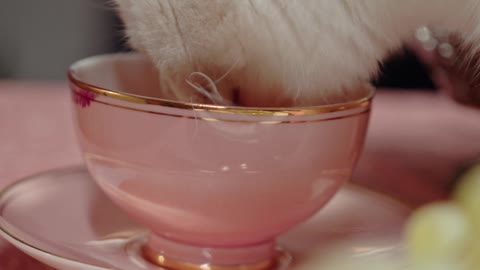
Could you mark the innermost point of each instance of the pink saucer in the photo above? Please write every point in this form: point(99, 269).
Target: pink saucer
point(62, 219)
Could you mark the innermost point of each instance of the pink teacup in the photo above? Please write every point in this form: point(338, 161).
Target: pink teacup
point(215, 185)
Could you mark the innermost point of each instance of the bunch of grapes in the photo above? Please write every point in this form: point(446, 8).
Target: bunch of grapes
point(448, 233)
point(440, 236)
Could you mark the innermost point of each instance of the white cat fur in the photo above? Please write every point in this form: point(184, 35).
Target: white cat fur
point(273, 51)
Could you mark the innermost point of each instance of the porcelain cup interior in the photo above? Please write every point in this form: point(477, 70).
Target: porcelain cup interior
point(207, 175)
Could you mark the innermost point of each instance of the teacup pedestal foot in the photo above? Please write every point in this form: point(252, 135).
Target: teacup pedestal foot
point(177, 256)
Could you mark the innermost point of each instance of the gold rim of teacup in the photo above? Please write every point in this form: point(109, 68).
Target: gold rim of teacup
point(255, 111)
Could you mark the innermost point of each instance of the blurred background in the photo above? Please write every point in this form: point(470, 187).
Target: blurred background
point(40, 39)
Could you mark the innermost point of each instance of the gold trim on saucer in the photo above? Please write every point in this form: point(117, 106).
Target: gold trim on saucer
point(281, 111)
point(25, 180)
point(164, 262)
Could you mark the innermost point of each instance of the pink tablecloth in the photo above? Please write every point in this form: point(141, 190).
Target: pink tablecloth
point(416, 143)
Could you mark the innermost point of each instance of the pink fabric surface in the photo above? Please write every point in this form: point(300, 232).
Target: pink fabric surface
point(416, 142)
point(36, 131)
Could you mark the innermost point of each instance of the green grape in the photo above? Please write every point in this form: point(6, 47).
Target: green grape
point(438, 233)
point(468, 195)
point(472, 258)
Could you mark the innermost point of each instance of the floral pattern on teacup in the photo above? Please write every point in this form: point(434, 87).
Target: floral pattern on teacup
point(83, 98)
